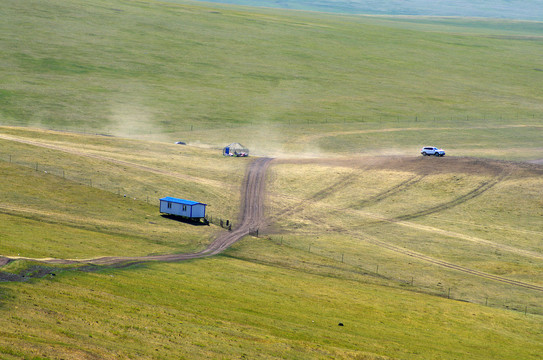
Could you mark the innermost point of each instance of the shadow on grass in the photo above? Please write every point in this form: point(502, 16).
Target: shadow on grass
point(29, 271)
point(195, 222)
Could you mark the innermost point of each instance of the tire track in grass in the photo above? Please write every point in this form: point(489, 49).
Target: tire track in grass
point(319, 196)
point(452, 266)
point(400, 220)
point(404, 185)
point(478, 191)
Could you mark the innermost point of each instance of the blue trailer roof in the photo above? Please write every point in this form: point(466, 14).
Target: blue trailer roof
point(181, 201)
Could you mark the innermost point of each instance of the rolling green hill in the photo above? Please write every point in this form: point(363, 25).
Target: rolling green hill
point(417, 258)
point(140, 68)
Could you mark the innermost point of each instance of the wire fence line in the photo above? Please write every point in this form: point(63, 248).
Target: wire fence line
point(77, 178)
point(373, 269)
point(408, 281)
point(101, 184)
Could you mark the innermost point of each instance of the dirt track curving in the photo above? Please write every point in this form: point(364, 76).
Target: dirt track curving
point(251, 218)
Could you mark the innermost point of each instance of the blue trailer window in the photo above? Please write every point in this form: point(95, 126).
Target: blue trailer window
point(169, 205)
point(184, 207)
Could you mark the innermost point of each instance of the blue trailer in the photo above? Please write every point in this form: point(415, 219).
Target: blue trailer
point(185, 208)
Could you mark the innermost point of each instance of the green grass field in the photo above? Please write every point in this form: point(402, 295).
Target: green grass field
point(319, 263)
point(149, 67)
point(358, 219)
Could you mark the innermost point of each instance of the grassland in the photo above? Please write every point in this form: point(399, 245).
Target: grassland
point(343, 210)
point(147, 67)
point(160, 311)
point(72, 209)
point(356, 218)
point(213, 75)
point(320, 262)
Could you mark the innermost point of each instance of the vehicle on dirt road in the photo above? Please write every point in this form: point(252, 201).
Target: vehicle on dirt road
point(432, 150)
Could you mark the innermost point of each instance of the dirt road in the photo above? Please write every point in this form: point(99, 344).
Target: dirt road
point(251, 218)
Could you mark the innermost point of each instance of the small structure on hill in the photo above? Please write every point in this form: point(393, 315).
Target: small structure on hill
point(235, 149)
point(186, 208)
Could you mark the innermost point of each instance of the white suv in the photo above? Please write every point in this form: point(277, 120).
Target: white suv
point(432, 150)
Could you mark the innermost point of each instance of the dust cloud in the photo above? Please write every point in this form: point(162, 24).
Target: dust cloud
point(132, 121)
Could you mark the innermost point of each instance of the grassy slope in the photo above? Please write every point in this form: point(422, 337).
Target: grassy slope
point(117, 69)
point(140, 67)
point(262, 299)
point(72, 210)
point(160, 311)
point(481, 215)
